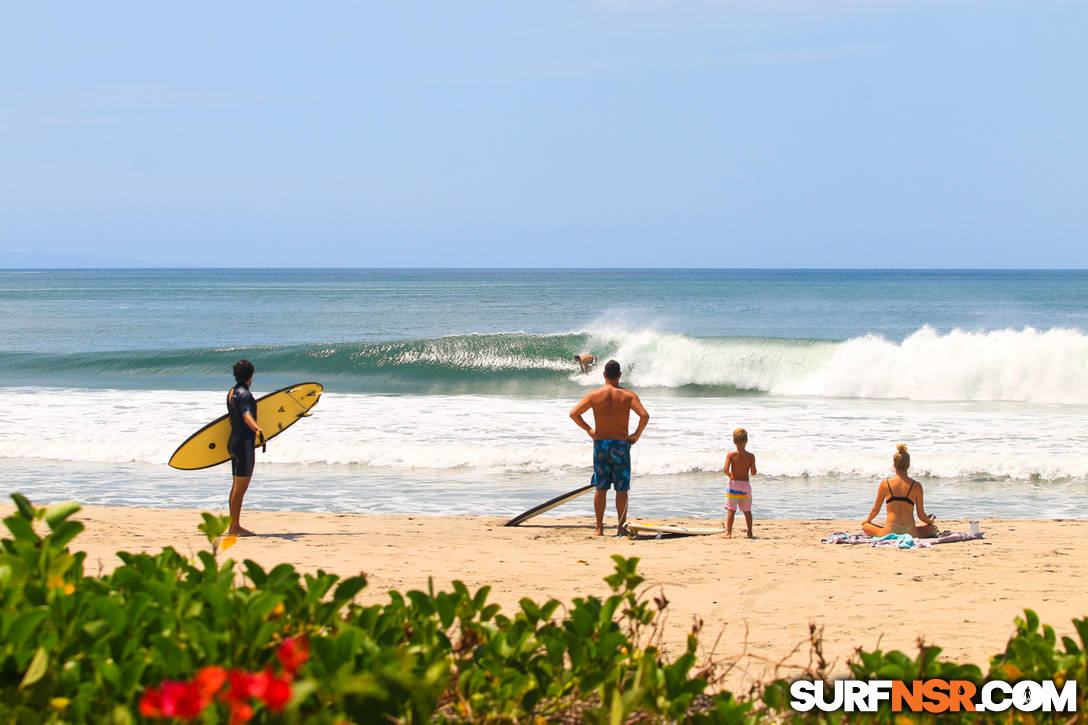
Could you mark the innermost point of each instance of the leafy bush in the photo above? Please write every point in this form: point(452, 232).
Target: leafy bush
point(81, 649)
point(166, 637)
point(84, 648)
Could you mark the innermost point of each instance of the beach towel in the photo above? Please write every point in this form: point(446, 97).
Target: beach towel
point(898, 541)
point(841, 537)
point(902, 541)
point(949, 537)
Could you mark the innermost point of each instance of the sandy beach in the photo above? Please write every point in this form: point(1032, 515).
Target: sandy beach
point(960, 596)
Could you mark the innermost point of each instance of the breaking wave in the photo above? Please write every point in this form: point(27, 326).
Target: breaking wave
point(1029, 365)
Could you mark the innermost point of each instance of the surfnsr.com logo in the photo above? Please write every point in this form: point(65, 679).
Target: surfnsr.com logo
point(933, 696)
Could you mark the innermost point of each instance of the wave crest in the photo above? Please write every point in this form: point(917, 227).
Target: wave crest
point(1025, 365)
point(1015, 365)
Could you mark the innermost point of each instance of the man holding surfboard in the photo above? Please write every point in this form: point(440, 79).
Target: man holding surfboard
point(612, 406)
point(244, 431)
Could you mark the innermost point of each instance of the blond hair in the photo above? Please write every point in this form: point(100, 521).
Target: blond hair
point(740, 436)
point(902, 458)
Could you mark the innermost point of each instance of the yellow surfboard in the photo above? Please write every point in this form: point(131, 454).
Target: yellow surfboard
point(275, 414)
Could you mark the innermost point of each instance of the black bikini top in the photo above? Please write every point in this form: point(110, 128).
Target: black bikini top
point(904, 499)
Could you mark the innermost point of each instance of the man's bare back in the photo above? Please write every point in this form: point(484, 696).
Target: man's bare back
point(612, 406)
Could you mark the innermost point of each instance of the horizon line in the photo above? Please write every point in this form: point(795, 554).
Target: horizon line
point(175, 268)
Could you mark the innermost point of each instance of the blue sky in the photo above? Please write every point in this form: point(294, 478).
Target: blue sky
point(782, 133)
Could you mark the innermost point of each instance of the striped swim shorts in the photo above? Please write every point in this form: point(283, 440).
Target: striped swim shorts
point(738, 496)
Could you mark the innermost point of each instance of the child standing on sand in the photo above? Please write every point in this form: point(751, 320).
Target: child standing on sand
point(739, 466)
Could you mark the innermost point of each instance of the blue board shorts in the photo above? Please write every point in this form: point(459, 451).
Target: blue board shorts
point(612, 465)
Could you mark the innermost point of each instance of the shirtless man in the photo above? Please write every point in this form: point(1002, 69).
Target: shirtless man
point(612, 406)
point(586, 362)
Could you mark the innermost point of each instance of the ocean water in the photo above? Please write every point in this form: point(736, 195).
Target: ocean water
point(447, 391)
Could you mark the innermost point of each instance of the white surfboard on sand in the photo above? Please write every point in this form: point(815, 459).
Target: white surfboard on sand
point(675, 529)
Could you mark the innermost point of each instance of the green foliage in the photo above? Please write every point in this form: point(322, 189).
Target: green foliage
point(84, 649)
point(1032, 654)
point(75, 647)
point(895, 665)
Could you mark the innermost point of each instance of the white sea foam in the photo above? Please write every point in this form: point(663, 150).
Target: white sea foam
point(1018, 365)
point(659, 359)
point(1027, 365)
point(793, 437)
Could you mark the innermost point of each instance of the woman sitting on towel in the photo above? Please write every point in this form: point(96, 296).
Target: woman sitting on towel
point(903, 494)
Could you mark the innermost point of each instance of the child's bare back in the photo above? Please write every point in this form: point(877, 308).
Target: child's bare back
point(740, 466)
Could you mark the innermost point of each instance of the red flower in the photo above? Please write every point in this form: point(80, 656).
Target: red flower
point(244, 685)
point(293, 653)
point(182, 700)
point(277, 693)
point(210, 680)
point(240, 712)
point(151, 704)
point(186, 700)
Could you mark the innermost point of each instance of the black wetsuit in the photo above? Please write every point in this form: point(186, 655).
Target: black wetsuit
point(242, 439)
